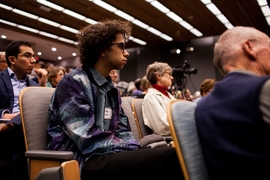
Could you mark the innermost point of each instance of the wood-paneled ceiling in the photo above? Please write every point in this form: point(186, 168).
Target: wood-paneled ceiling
point(238, 12)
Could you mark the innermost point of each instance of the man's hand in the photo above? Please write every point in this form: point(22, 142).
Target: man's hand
point(5, 126)
point(9, 116)
point(42, 76)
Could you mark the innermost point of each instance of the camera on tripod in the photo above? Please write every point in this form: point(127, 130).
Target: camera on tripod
point(179, 76)
point(181, 70)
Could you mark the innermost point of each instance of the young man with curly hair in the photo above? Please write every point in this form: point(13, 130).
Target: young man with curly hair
point(86, 116)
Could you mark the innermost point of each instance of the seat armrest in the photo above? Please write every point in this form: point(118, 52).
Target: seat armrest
point(49, 155)
point(148, 139)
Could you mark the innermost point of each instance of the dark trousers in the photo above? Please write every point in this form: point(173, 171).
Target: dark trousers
point(12, 149)
point(154, 163)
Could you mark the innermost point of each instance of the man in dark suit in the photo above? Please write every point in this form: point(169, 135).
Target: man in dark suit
point(21, 60)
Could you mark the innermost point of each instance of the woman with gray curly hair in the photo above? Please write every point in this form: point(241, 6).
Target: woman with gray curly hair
point(159, 74)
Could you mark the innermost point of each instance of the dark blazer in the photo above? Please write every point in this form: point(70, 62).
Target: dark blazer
point(6, 91)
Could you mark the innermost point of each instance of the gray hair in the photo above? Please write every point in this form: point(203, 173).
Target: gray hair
point(157, 68)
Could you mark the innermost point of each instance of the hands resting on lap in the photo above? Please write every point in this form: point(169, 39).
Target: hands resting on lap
point(5, 126)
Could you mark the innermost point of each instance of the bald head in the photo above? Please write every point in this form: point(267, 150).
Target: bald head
point(230, 46)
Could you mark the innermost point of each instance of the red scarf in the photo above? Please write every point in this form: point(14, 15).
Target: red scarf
point(162, 89)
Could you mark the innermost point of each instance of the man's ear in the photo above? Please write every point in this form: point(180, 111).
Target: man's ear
point(102, 54)
point(11, 59)
point(249, 49)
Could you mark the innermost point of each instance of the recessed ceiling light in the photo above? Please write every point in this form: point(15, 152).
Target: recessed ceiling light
point(3, 36)
point(178, 51)
point(54, 49)
point(74, 54)
point(59, 58)
point(39, 53)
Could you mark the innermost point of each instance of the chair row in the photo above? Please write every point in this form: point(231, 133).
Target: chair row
point(43, 163)
point(35, 122)
point(133, 109)
point(183, 128)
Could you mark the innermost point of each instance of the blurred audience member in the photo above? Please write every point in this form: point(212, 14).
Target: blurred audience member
point(40, 65)
point(131, 87)
point(114, 75)
point(137, 91)
point(122, 86)
point(47, 66)
point(233, 120)
point(69, 69)
point(196, 94)
point(155, 102)
point(186, 95)
point(3, 62)
point(205, 88)
point(55, 75)
point(145, 85)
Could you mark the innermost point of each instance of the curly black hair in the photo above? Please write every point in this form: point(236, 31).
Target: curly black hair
point(96, 38)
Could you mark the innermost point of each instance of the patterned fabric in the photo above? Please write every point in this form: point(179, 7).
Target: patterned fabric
point(77, 120)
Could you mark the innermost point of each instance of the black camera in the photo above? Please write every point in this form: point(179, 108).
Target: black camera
point(184, 69)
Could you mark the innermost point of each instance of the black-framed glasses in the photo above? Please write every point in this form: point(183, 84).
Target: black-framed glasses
point(169, 73)
point(121, 45)
point(28, 55)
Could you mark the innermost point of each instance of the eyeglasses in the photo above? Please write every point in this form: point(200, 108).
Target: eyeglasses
point(28, 55)
point(170, 73)
point(3, 61)
point(121, 45)
point(60, 74)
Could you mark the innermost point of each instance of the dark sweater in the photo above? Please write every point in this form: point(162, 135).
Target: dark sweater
point(234, 137)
